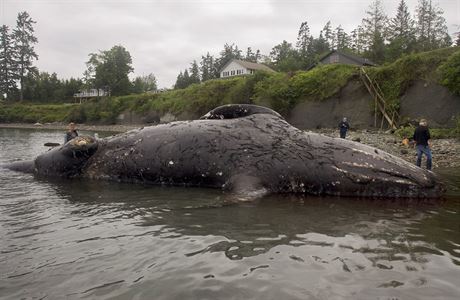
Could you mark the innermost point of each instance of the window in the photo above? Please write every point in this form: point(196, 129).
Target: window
point(233, 72)
point(334, 59)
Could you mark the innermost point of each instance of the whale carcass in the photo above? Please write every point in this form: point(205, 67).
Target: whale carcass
point(238, 147)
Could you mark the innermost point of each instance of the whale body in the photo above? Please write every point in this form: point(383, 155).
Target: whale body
point(238, 148)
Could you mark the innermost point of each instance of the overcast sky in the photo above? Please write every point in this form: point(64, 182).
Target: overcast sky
point(164, 36)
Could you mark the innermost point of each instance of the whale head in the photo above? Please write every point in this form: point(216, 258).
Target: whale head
point(66, 160)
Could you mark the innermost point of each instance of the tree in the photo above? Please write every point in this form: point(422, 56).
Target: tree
point(208, 68)
point(358, 41)
point(374, 29)
point(342, 39)
point(24, 40)
point(401, 32)
point(45, 87)
point(8, 75)
point(328, 35)
point(194, 73)
point(431, 29)
point(285, 58)
point(320, 45)
point(143, 84)
point(305, 45)
point(183, 80)
point(228, 53)
point(109, 69)
point(251, 56)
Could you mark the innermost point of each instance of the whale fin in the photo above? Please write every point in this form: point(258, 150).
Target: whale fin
point(246, 187)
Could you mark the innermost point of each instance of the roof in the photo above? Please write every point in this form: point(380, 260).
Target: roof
point(248, 65)
point(358, 59)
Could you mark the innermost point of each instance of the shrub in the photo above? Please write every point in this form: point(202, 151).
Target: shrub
point(450, 73)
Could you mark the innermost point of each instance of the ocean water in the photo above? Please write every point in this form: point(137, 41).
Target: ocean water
point(77, 239)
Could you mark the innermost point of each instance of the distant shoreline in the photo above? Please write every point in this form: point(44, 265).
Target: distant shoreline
point(63, 127)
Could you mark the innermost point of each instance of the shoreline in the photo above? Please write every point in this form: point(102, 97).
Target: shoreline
point(446, 152)
point(84, 127)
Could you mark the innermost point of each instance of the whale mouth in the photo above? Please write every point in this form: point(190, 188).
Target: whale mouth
point(81, 141)
point(81, 146)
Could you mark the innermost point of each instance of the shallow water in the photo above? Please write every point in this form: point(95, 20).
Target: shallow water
point(64, 239)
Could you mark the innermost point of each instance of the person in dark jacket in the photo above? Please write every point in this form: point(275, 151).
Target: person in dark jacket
point(422, 143)
point(343, 127)
point(71, 133)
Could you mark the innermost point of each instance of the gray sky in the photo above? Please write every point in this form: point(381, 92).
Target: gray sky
point(164, 36)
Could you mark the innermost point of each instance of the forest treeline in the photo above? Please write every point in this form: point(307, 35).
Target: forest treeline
point(379, 37)
point(21, 80)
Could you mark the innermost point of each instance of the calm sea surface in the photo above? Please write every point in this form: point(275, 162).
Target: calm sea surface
point(97, 240)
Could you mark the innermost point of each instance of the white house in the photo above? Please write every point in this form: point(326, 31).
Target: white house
point(236, 67)
point(91, 93)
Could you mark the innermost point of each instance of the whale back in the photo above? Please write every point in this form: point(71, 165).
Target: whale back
point(261, 149)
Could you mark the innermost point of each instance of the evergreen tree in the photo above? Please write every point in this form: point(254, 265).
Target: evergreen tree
point(228, 53)
point(320, 45)
point(24, 40)
point(251, 56)
point(179, 81)
point(305, 45)
point(342, 39)
point(457, 41)
point(358, 41)
point(401, 32)
point(328, 35)
point(8, 74)
point(431, 29)
point(194, 73)
point(207, 67)
point(374, 27)
point(183, 80)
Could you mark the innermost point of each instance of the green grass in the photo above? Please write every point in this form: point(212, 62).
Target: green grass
point(438, 66)
point(436, 133)
point(31, 113)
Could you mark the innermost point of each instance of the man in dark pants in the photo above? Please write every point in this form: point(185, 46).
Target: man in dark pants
point(422, 143)
point(343, 127)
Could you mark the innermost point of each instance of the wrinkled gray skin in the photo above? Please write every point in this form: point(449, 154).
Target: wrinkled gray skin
point(241, 148)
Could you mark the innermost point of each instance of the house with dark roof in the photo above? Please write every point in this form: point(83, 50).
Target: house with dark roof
point(236, 67)
point(339, 57)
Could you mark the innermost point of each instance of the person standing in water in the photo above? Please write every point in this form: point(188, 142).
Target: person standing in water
point(343, 127)
point(71, 133)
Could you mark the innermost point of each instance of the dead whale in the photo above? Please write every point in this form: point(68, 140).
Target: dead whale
point(238, 148)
